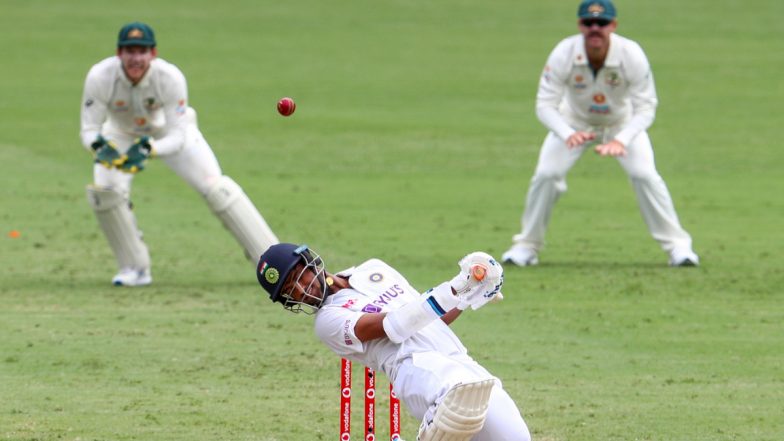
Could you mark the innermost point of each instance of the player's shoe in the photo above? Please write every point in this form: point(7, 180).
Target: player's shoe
point(684, 257)
point(520, 255)
point(132, 277)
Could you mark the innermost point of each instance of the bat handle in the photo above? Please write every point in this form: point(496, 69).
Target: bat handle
point(478, 272)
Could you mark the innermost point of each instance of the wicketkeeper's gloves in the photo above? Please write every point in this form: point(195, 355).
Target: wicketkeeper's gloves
point(106, 153)
point(137, 155)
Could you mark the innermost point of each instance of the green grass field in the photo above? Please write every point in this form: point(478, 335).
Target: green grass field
point(414, 141)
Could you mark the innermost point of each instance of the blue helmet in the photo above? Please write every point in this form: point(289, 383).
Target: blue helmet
point(275, 268)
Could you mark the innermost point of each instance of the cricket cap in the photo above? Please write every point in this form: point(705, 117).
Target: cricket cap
point(596, 9)
point(136, 34)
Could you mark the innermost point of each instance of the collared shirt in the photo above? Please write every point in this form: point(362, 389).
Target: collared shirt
point(121, 111)
point(377, 287)
point(618, 100)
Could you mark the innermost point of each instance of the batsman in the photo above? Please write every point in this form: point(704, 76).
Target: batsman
point(371, 314)
point(134, 108)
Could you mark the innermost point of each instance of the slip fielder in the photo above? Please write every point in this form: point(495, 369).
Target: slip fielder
point(597, 90)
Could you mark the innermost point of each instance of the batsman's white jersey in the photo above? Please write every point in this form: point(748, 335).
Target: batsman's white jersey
point(422, 368)
point(618, 102)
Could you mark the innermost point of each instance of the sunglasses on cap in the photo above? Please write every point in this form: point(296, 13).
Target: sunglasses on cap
point(601, 22)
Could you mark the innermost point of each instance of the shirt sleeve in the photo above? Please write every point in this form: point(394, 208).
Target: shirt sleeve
point(95, 100)
point(642, 93)
point(335, 327)
point(174, 89)
point(552, 86)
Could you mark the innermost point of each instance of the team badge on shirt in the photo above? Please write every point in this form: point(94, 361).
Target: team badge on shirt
point(612, 78)
point(600, 107)
point(579, 82)
point(376, 277)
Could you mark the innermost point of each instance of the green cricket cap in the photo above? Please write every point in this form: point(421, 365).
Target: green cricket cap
point(596, 9)
point(136, 34)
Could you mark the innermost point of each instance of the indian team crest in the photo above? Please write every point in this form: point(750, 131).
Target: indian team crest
point(271, 275)
point(376, 277)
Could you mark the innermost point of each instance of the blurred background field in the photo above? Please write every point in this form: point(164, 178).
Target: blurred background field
point(413, 141)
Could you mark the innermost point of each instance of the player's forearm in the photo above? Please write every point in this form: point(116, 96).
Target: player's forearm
point(402, 323)
point(451, 316)
point(172, 143)
point(554, 121)
point(638, 123)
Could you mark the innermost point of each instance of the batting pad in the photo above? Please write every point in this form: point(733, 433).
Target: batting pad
point(238, 214)
point(119, 226)
point(461, 414)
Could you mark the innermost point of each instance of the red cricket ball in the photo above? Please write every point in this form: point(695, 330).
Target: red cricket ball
point(286, 106)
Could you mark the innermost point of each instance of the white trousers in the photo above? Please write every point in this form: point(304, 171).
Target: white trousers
point(549, 182)
point(422, 381)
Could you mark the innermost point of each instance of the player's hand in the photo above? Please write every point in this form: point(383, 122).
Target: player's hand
point(137, 155)
point(479, 281)
point(106, 153)
point(612, 148)
point(577, 139)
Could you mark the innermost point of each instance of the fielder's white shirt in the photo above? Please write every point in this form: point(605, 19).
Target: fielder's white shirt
point(377, 287)
point(620, 98)
point(120, 111)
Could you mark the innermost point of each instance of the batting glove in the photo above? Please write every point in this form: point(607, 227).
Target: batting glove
point(137, 155)
point(479, 281)
point(106, 153)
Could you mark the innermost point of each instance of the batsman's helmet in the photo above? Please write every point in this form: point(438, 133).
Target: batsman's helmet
point(275, 267)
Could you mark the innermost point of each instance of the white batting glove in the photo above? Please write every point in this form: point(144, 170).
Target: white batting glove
point(479, 281)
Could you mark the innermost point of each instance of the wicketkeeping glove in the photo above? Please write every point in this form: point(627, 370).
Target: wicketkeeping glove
point(136, 156)
point(479, 281)
point(106, 153)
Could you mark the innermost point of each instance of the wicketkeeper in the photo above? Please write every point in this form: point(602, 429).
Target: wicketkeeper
point(134, 108)
point(371, 315)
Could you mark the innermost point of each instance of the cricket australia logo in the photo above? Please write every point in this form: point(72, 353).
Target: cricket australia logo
point(595, 9)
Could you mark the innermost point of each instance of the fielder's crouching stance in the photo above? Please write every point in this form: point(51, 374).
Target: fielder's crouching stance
point(370, 314)
point(135, 106)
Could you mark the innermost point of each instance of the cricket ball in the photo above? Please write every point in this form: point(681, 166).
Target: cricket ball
point(286, 106)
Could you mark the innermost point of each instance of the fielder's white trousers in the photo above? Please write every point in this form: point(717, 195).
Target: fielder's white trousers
point(422, 381)
point(549, 182)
